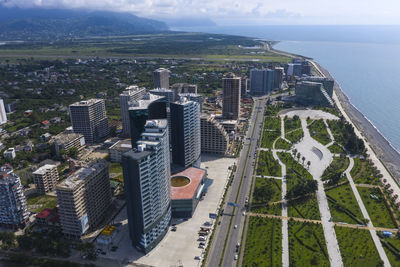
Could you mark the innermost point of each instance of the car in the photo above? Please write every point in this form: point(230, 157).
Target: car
point(236, 256)
point(202, 243)
point(235, 226)
point(197, 257)
point(243, 213)
point(238, 245)
point(201, 246)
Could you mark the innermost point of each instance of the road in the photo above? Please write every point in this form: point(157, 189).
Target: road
point(237, 193)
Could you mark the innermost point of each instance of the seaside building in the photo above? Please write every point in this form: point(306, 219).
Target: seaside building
point(214, 138)
point(45, 178)
point(66, 141)
point(150, 107)
point(13, 211)
point(312, 93)
point(294, 69)
point(3, 115)
point(185, 122)
point(231, 97)
point(326, 82)
point(132, 93)
point(161, 78)
point(89, 118)
point(148, 187)
point(84, 198)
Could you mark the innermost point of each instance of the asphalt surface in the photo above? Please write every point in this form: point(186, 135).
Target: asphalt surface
point(244, 171)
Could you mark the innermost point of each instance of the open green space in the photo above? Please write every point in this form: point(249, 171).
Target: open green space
point(335, 171)
point(304, 208)
point(296, 173)
point(292, 123)
point(282, 144)
point(273, 110)
point(376, 208)
point(269, 136)
point(41, 202)
point(364, 172)
point(272, 123)
point(344, 134)
point(336, 149)
point(357, 247)
point(307, 245)
point(273, 209)
point(263, 242)
point(295, 136)
point(267, 165)
point(274, 194)
point(392, 249)
point(319, 132)
point(343, 205)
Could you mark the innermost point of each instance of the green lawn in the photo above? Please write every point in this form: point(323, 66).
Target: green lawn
point(272, 123)
point(356, 247)
point(115, 167)
point(319, 132)
point(336, 149)
point(346, 208)
point(295, 136)
point(275, 209)
point(392, 249)
point(269, 138)
point(274, 183)
point(338, 166)
point(307, 245)
point(42, 202)
point(263, 242)
point(304, 208)
point(364, 172)
point(377, 211)
point(295, 171)
point(292, 124)
point(282, 144)
point(267, 165)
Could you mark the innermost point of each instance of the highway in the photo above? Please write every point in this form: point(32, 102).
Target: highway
point(226, 233)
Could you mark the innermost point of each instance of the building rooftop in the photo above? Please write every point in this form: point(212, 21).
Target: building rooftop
point(84, 103)
point(144, 102)
point(80, 175)
point(42, 170)
point(122, 145)
point(66, 137)
point(132, 89)
point(195, 175)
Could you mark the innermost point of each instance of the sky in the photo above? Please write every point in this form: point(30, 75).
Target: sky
point(242, 12)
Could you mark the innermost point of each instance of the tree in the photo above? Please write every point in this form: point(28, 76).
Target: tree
point(303, 159)
point(298, 156)
point(25, 242)
point(308, 164)
point(8, 239)
point(294, 152)
point(73, 152)
point(263, 193)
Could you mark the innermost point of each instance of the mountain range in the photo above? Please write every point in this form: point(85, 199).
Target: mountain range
point(46, 24)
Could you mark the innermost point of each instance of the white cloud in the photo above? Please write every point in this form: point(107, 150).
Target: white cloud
point(238, 11)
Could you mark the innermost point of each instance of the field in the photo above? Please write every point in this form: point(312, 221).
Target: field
point(267, 165)
point(377, 210)
point(345, 209)
point(307, 245)
point(319, 132)
point(263, 242)
point(357, 247)
point(39, 203)
point(282, 144)
point(305, 208)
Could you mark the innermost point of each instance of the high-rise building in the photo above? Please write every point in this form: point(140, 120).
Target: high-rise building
point(45, 178)
point(89, 118)
point(148, 108)
point(161, 78)
point(84, 198)
point(261, 81)
point(194, 97)
point(169, 94)
point(185, 121)
point(243, 86)
point(294, 69)
point(312, 93)
point(270, 80)
point(278, 77)
point(3, 115)
point(231, 97)
point(214, 138)
point(148, 187)
point(184, 88)
point(66, 141)
point(13, 212)
point(132, 93)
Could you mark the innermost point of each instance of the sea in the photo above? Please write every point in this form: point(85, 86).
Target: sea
point(364, 60)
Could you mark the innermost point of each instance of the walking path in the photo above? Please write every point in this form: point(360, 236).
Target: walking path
point(283, 131)
point(330, 134)
point(318, 165)
point(364, 212)
point(269, 177)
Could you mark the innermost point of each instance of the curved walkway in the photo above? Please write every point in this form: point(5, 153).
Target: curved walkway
point(364, 212)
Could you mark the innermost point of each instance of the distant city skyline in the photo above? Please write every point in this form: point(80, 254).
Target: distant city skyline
point(240, 12)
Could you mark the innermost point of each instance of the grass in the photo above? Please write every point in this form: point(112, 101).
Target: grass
point(115, 167)
point(292, 124)
point(356, 247)
point(282, 144)
point(267, 165)
point(346, 202)
point(377, 210)
point(364, 172)
point(43, 202)
point(391, 247)
point(273, 209)
point(336, 149)
point(307, 245)
point(295, 171)
point(319, 132)
point(295, 136)
point(338, 166)
point(304, 208)
point(269, 137)
point(263, 242)
point(273, 110)
point(272, 123)
point(274, 183)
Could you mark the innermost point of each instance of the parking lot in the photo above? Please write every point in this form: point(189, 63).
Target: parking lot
point(178, 247)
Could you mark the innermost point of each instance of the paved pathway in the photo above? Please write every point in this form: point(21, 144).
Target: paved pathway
point(330, 134)
point(269, 177)
point(318, 164)
point(285, 230)
point(364, 212)
point(283, 130)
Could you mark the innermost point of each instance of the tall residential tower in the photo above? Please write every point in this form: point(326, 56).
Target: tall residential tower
point(161, 78)
point(132, 93)
point(231, 97)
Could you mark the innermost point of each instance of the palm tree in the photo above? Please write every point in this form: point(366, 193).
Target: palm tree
point(294, 152)
point(298, 156)
point(308, 164)
point(303, 159)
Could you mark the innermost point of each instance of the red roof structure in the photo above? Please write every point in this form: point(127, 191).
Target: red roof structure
point(195, 175)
